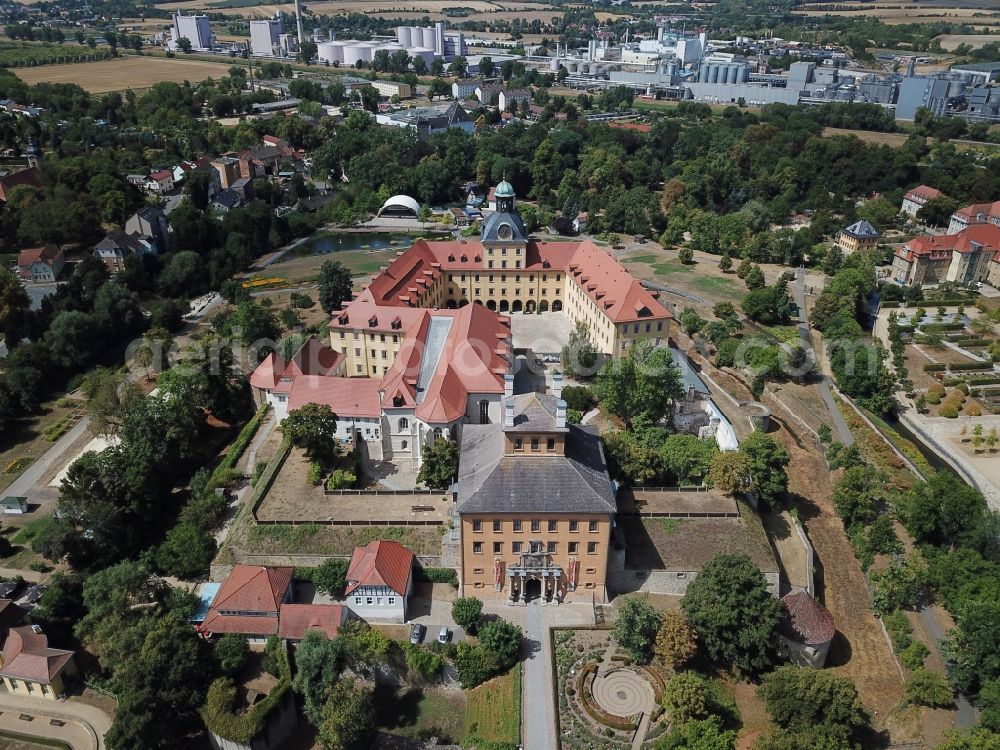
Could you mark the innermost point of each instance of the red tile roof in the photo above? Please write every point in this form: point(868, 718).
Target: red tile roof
point(348, 397)
point(923, 193)
point(27, 656)
point(312, 358)
point(943, 245)
point(988, 210)
point(295, 620)
point(806, 620)
point(253, 588)
point(380, 564)
point(161, 175)
point(47, 254)
point(216, 622)
point(27, 176)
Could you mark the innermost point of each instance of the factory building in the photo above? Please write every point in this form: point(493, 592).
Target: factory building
point(265, 36)
point(425, 42)
point(193, 28)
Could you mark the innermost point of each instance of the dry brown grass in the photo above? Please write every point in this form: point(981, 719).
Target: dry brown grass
point(897, 13)
point(124, 73)
point(951, 41)
point(895, 140)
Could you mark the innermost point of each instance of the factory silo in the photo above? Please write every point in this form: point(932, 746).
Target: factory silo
point(732, 71)
point(403, 36)
point(427, 37)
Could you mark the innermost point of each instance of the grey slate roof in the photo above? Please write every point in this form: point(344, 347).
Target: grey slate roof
point(493, 223)
point(534, 412)
point(490, 482)
point(862, 230)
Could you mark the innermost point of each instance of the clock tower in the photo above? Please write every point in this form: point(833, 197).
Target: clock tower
point(504, 238)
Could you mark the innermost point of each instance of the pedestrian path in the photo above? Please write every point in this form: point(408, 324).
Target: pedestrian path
point(538, 713)
point(83, 725)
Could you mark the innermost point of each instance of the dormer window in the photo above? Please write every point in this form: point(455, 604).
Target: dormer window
point(372, 322)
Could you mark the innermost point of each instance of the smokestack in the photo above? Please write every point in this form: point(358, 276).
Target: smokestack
point(298, 20)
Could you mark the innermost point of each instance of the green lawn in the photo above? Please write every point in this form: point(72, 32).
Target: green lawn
point(715, 285)
point(31, 529)
point(419, 714)
point(788, 334)
point(494, 710)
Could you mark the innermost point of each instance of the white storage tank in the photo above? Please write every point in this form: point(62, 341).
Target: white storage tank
point(404, 35)
point(330, 52)
point(426, 54)
point(428, 38)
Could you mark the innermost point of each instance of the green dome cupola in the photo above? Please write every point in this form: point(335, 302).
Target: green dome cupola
point(504, 190)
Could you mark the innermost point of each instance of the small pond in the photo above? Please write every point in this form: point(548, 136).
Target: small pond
point(335, 242)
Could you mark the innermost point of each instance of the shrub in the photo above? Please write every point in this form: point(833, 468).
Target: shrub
point(913, 655)
point(579, 398)
point(686, 697)
point(467, 612)
point(948, 411)
point(926, 688)
point(973, 410)
point(340, 480)
point(422, 663)
point(315, 476)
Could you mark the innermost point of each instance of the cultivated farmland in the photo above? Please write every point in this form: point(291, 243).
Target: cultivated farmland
point(124, 73)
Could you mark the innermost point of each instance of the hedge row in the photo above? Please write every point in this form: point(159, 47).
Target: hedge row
point(222, 472)
point(974, 380)
point(941, 327)
point(971, 341)
point(242, 728)
point(959, 367)
point(436, 575)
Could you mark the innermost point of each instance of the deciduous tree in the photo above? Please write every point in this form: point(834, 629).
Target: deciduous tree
point(735, 616)
point(313, 428)
point(676, 642)
point(636, 627)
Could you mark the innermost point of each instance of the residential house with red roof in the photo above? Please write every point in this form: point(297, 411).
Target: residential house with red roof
point(977, 213)
point(256, 601)
point(916, 198)
point(40, 265)
point(248, 602)
point(29, 667)
point(966, 257)
point(160, 181)
point(380, 581)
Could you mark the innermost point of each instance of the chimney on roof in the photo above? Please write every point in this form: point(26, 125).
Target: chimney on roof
point(557, 385)
point(508, 412)
point(508, 385)
point(560, 414)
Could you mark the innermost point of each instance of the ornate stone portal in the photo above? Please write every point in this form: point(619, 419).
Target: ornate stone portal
point(536, 566)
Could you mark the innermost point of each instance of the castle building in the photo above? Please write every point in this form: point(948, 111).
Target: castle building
point(535, 504)
point(423, 350)
point(859, 237)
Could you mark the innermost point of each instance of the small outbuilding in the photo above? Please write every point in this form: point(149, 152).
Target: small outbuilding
point(400, 206)
point(15, 506)
point(806, 631)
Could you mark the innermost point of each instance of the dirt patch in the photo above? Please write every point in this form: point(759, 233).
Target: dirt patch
point(859, 649)
point(292, 498)
point(130, 72)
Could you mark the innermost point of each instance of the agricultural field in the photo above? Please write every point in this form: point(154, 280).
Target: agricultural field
point(482, 10)
point(899, 13)
point(124, 73)
point(951, 41)
point(29, 55)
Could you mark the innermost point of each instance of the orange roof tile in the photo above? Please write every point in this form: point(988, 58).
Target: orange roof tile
point(295, 620)
point(380, 563)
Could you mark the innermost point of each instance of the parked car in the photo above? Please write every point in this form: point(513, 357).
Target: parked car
point(417, 633)
point(444, 635)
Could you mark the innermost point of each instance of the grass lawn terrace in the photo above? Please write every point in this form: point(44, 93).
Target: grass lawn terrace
point(494, 710)
point(420, 713)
